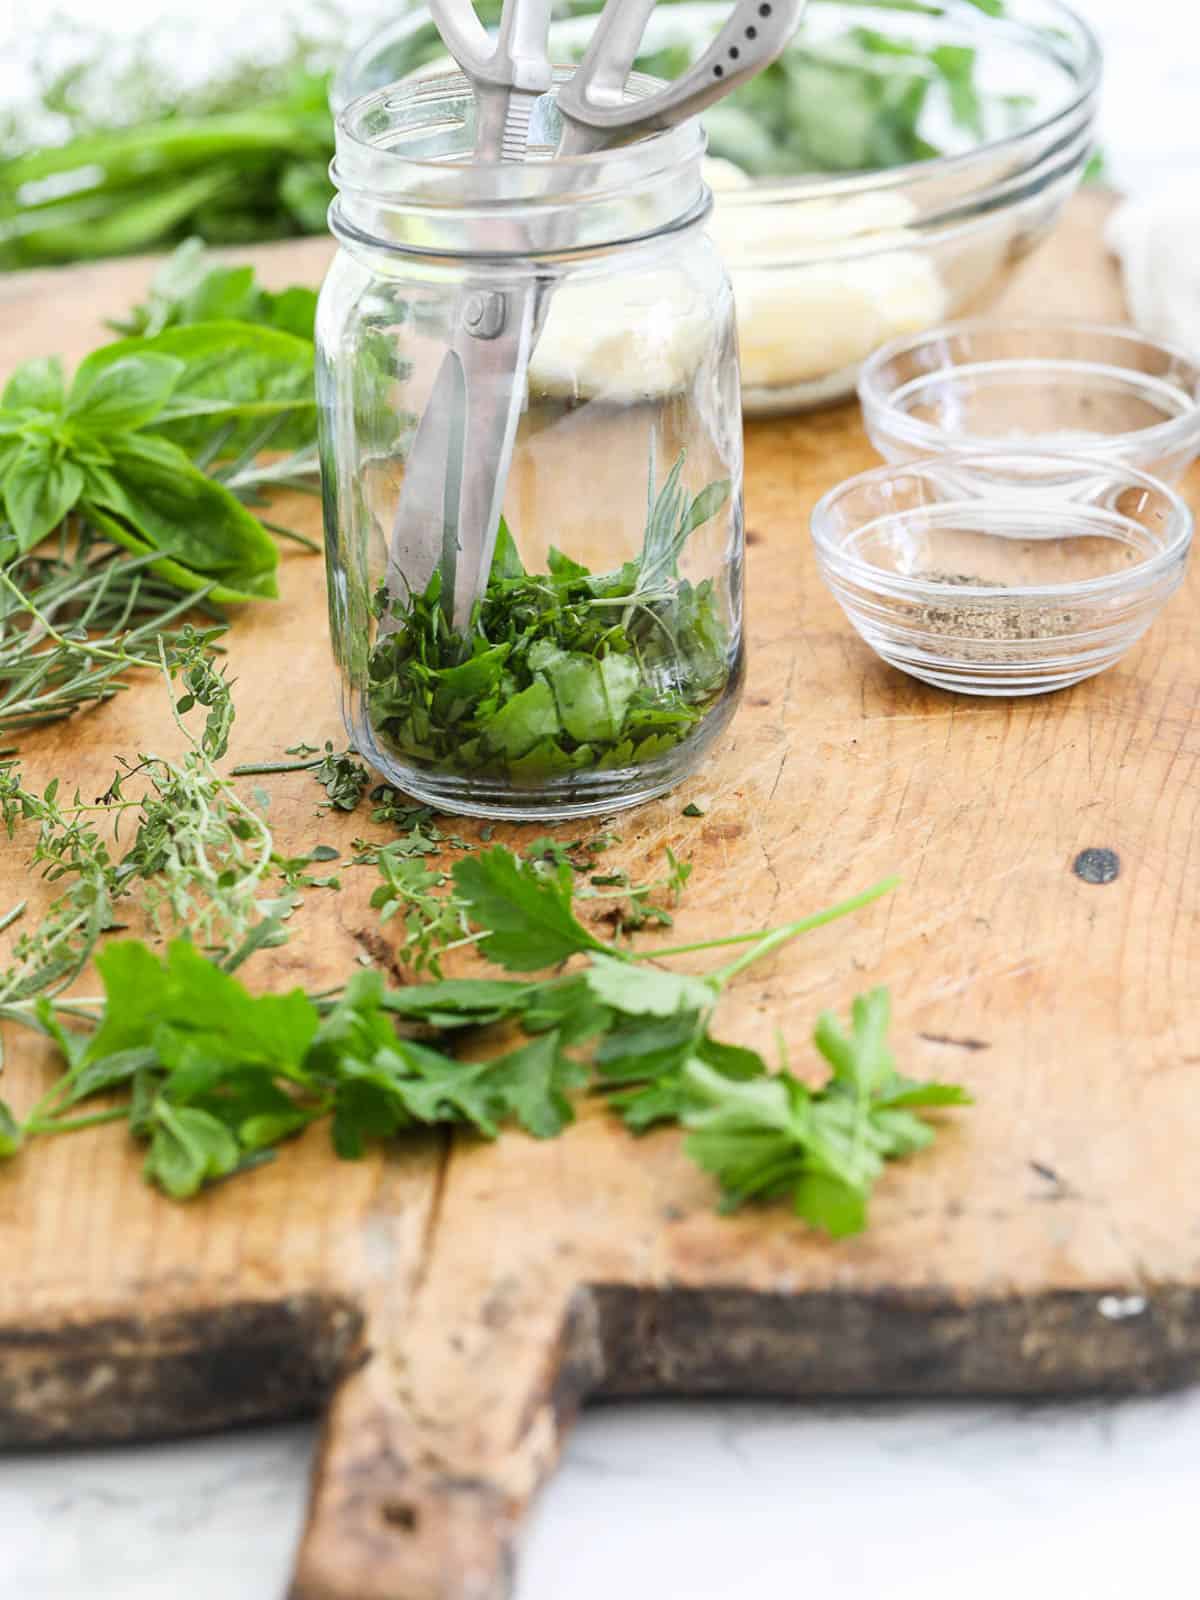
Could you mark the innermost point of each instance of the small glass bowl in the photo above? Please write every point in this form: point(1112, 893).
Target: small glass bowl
point(1110, 394)
point(1002, 573)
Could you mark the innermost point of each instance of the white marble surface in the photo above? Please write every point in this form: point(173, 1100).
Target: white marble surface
point(662, 1502)
point(711, 1501)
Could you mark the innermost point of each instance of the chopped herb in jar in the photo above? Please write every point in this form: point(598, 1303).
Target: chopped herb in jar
point(560, 671)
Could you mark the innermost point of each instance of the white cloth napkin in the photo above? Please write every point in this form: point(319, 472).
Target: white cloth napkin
point(1156, 237)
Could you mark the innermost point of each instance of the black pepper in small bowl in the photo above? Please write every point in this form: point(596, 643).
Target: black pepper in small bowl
point(1002, 573)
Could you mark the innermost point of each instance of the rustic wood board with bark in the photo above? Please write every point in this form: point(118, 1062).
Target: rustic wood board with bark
point(453, 1303)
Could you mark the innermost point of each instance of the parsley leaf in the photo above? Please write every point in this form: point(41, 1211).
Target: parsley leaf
point(188, 994)
point(525, 911)
point(209, 1076)
point(646, 1064)
point(461, 1002)
point(647, 991)
point(768, 1136)
point(528, 1083)
point(187, 1149)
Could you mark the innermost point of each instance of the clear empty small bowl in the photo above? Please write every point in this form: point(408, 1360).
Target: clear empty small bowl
point(1111, 394)
point(1002, 573)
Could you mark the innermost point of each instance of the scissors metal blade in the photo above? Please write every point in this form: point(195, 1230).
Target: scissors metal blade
point(497, 367)
point(457, 471)
point(425, 534)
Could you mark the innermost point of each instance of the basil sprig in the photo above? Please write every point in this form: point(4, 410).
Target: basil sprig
point(119, 446)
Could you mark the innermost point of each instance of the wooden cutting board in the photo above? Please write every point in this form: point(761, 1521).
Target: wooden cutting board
point(452, 1303)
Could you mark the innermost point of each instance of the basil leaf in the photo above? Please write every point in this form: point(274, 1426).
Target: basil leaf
point(121, 394)
point(187, 288)
point(223, 294)
point(231, 371)
point(175, 508)
point(39, 489)
point(220, 592)
point(292, 310)
point(35, 386)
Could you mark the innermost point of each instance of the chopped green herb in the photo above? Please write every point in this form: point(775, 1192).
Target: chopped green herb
point(344, 779)
point(562, 671)
point(294, 870)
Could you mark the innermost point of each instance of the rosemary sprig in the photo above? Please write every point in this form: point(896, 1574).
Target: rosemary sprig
point(76, 618)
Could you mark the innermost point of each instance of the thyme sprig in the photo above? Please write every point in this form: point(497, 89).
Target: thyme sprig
point(201, 856)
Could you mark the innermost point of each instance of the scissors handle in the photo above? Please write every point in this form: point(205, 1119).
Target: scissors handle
point(464, 36)
point(507, 73)
point(592, 103)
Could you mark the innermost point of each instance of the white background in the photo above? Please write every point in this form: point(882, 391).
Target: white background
point(706, 1501)
point(1152, 59)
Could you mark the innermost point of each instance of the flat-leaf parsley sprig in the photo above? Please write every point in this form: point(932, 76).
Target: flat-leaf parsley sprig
point(210, 1077)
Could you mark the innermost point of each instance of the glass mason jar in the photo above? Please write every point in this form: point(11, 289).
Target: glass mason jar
point(591, 662)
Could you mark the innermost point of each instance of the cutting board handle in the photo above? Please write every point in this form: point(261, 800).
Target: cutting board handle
point(433, 1448)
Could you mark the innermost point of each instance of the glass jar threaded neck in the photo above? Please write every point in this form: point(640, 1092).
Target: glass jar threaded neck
point(406, 182)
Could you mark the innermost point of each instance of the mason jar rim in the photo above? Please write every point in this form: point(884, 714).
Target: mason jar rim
point(481, 182)
point(441, 205)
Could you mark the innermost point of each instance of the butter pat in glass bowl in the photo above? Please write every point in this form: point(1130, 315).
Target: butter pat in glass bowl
point(1111, 394)
point(888, 172)
point(1002, 573)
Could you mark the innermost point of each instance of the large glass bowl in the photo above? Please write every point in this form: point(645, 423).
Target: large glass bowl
point(888, 173)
